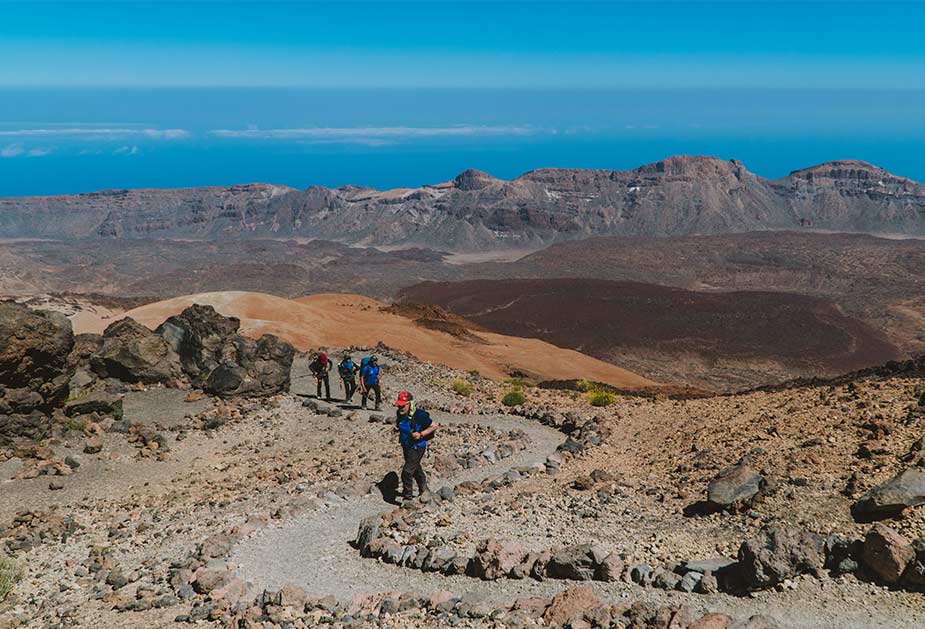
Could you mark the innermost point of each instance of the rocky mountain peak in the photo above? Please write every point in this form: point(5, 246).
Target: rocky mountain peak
point(473, 179)
point(843, 169)
point(694, 166)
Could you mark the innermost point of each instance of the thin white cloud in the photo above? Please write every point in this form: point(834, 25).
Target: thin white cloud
point(39, 152)
point(12, 150)
point(126, 150)
point(94, 133)
point(370, 134)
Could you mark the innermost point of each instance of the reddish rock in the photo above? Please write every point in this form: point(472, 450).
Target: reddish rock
point(886, 553)
point(712, 621)
point(571, 604)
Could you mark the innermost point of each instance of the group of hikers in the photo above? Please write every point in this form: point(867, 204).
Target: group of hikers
point(367, 370)
point(415, 426)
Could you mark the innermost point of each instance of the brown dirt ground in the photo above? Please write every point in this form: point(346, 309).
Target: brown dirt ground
point(344, 320)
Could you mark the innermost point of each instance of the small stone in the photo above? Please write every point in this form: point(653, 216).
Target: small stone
point(93, 445)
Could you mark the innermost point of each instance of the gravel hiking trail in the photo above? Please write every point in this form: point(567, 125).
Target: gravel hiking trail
point(314, 551)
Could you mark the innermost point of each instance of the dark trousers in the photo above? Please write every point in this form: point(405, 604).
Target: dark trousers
point(323, 379)
point(412, 471)
point(350, 387)
point(372, 387)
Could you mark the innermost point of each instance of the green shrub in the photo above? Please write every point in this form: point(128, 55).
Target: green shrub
point(514, 397)
point(463, 388)
point(517, 383)
point(73, 423)
point(601, 398)
point(9, 575)
point(474, 373)
point(585, 386)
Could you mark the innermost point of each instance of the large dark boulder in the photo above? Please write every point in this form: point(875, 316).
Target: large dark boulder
point(34, 369)
point(132, 353)
point(905, 490)
point(220, 361)
point(202, 338)
point(779, 553)
point(33, 357)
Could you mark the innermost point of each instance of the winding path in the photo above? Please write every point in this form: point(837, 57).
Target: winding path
point(313, 550)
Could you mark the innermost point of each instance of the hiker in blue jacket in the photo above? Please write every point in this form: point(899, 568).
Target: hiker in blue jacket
point(348, 373)
point(369, 381)
point(415, 428)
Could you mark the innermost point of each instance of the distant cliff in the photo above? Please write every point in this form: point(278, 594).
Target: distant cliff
point(677, 196)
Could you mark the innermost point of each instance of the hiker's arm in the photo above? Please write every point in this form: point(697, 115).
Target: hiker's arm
point(429, 430)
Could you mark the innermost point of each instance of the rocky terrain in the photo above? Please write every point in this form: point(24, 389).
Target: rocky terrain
point(156, 478)
point(677, 196)
point(868, 280)
point(728, 340)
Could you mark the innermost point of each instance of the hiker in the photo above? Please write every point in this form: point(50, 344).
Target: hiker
point(415, 428)
point(320, 368)
point(369, 380)
point(348, 373)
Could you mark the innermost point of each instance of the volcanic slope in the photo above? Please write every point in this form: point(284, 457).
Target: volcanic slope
point(676, 196)
point(718, 340)
point(330, 320)
point(877, 280)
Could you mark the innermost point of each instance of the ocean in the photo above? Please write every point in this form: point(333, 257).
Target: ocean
point(70, 140)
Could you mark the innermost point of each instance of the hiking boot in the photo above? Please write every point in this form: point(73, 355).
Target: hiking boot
point(378, 407)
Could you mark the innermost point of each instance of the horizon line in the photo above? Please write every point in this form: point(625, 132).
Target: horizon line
point(415, 187)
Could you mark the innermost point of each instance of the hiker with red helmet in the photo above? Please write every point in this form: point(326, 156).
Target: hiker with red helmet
point(320, 367)
point(415, 428)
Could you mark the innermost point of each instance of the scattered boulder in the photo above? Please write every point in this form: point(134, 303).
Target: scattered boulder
point(779, 553)
point(494, 560)
point(734, 489)
point(579, 563)
point(905, 490)
point(611, 569)
point(100, 402)
point(571, 605)
point(133, 353)
point(886, 553)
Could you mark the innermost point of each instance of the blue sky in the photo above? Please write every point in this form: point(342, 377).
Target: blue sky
point(139, 94)
point(464, 44)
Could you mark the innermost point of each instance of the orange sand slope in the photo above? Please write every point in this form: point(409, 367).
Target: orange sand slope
point(335, 320)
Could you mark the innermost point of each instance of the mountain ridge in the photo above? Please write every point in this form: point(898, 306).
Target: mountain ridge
point(679, 195)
